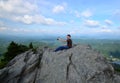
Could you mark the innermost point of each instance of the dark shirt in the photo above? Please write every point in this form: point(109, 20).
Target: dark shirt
point(69, 43)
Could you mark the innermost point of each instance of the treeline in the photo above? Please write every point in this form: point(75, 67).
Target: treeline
point(115, 54)
point(13, 50)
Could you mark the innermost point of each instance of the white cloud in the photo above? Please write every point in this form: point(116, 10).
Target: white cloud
point(72, 22)
point(21, 30)
point(77, 14)
point(117, 12)
point(1, 23)
point(118, 27)
point(16, 6)
point(83, 14)
point(2, 28)
point(27, 19)
point(27, 31)
point(25, 12)
point(104, 26)
point(91, 23)
point(86, 13)
point(108, 22)
point(6, 28)
point(101, 30)
point(59, 8)
point(116, 15)
point(106, 30)
point(9, 29)
point(39, 19)
point(14, 9)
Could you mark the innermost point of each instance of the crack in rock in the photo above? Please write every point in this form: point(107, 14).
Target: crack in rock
point(74, 66)
point(68, 67)
point(38, 66)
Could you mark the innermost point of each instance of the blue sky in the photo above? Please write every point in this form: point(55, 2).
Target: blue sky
point(51, 17)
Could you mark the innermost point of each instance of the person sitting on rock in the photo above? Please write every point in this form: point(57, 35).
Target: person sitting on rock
point(69, 43)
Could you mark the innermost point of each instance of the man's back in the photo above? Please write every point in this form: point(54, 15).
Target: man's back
point(69, 43)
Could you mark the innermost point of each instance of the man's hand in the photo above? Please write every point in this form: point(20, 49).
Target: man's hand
point(60, 39)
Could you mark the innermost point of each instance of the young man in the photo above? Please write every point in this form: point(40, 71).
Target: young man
point(69, 43)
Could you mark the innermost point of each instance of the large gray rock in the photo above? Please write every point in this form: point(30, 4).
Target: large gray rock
point(80, 64)
point(22, 69)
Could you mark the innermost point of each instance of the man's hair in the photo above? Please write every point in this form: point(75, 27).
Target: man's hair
point(69, 35)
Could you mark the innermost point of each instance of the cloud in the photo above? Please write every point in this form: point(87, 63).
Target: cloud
point(1, 23)
point(100, 30)
point(14, 9)
point(91, 23)
point(3, 28)
point(12, 30)
point(118, 28)
point(39, 19)
point(21, 30)
point(25, 12)
point(106, 30)
point(72, 22)
point(86, 13)
point(108, 22)
point(27, 19)
point(22, 11)
point(104, 26)
point(117, 12)
point(77, 14)
point(16, 6)
point(59, 8)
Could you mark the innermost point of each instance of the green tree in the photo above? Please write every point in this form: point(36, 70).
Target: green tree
point(31, 45)
point(12, 50)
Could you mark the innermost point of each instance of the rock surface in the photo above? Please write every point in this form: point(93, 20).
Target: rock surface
point(80, 64)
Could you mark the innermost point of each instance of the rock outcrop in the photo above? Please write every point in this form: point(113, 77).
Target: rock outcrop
point(80, 64)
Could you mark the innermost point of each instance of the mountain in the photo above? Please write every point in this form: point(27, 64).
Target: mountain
point(80, 64)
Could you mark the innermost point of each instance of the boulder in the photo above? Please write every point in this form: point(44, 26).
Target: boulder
point(80, 64)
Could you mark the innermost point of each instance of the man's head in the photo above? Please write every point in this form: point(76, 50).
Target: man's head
point(68, 36)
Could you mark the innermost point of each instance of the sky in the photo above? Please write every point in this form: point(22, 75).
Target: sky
point(60, 17)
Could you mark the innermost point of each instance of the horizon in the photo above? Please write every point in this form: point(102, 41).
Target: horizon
point(46, 18)
point(39, 37)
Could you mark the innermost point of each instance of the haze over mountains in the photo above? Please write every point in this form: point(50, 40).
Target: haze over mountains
point(51, 36)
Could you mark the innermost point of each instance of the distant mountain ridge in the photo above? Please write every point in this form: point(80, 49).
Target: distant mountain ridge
point(49, 36)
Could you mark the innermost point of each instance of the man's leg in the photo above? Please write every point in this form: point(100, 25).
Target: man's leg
point(61, 48)
point(65, 47)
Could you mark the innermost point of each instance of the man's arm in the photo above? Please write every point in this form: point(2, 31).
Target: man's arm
point(62, 40)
